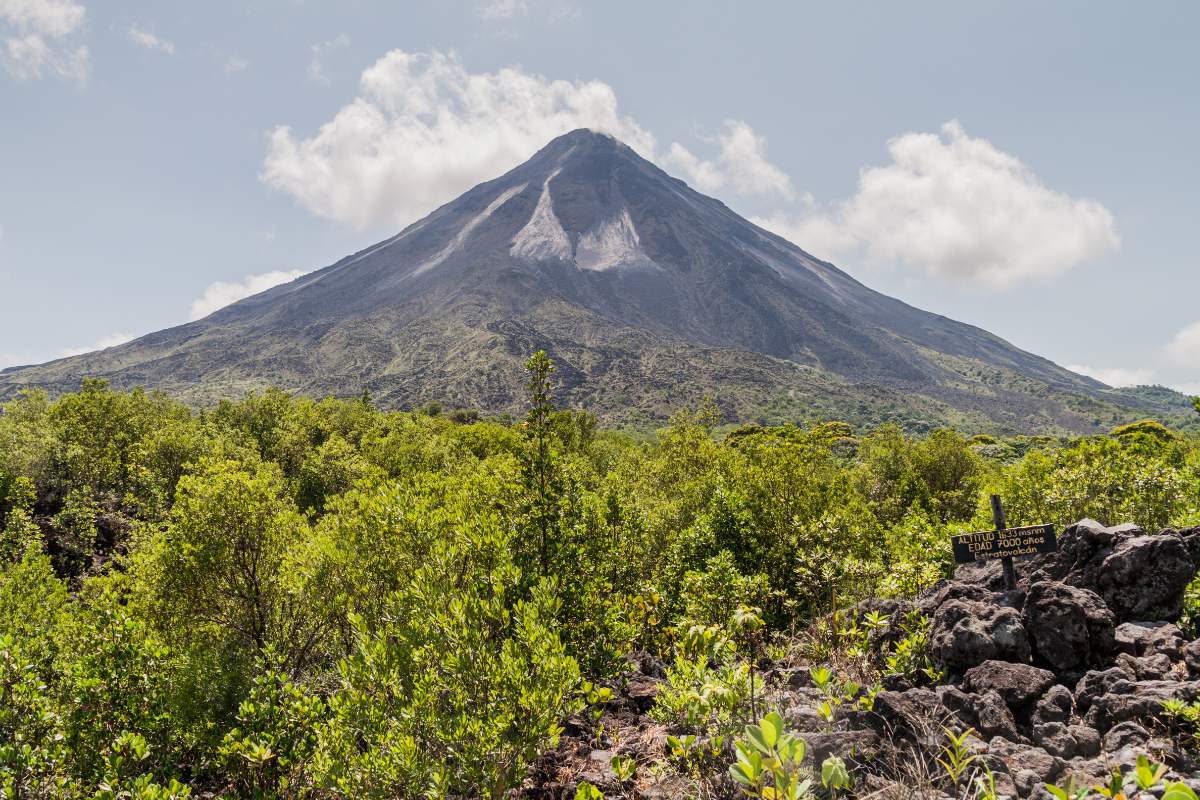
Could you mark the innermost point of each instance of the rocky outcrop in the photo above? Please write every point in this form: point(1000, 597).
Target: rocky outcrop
point(1139, 576)
point(1067, 675)
point(1063, 678)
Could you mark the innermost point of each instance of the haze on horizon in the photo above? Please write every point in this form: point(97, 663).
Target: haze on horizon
point(1027, 169)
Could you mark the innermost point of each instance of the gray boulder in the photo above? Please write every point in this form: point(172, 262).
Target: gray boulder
point(1017, 684)
point(1150, 638)
point(1141, 700)
point(1068, 626)
point(966, 632)
point(1099, 682)
point(1126, 734)
point(1087, 740)
point(1016, 757)
point(1055, 738)
point(1056, 705)
point(1145, 577)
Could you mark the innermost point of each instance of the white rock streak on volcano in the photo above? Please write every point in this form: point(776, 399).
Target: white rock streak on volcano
point(613, 243)
point(543, 236)
point(461, 237)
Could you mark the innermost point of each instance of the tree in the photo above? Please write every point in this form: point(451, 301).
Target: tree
point(539, 461)
point(223, 573)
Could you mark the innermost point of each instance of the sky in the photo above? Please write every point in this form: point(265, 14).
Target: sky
point(1027, 167)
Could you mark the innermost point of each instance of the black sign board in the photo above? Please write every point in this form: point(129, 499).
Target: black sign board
point(1004, 543)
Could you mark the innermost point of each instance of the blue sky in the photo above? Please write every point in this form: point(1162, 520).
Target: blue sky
point(1026, 167)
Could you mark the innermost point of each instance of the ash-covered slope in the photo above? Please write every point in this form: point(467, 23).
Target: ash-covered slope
point(647, 293)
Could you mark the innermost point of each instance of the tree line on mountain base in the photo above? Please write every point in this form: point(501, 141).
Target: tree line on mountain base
point(288, 598)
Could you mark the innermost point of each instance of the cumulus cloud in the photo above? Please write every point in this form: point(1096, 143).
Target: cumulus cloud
point(144, 38)
point(1177, 364)
point(222, 293)
point(423, 129)
point(39, 39)
point(503, 9)
point(1116, 376)
point(105, 342)
point(1184, 348)
point(316, 65)
point(741, 164)
point(234, 64)
point(957, 207)
point(8, 359)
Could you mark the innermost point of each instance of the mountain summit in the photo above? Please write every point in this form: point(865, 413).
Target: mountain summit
point(648, 294)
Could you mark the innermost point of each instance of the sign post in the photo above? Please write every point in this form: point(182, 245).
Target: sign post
point(1010, 572)
point(1004, 543)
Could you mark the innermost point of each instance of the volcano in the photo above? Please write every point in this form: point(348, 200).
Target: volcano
point(648, 295)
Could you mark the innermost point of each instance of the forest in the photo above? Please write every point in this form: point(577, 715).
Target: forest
point(282, 597)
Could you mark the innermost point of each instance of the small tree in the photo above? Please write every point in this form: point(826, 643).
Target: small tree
point(540, 472)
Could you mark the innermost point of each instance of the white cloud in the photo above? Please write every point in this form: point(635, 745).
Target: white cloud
point(112, 340)
point(423, 130)
point(1116, 376)
point(234, 64)
point(13, 360)
point(550, 10)
point(1175, 364)
point(220, 294)
point(144, 38)
point(1184, 348)
point(39, 39)
point(741, 164)
point(316, 66)
point(503, 9)
point(957, 207)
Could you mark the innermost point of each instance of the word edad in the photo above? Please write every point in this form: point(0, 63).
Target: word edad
point(1004, 543)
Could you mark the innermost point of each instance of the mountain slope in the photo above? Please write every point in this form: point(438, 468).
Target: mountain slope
point(648, 294)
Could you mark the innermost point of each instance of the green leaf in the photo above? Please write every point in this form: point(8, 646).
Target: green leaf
point(1179, 791)
point(772, 728)
point(587, 791)
point(834, 774)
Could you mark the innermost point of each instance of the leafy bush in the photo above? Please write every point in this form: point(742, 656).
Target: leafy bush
point(284, 598)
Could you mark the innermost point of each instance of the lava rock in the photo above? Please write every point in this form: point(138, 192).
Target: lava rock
point(1018, 684)
point(1150, 638)
point(856, 748)
point(642, 691)
point(916, 713)
point(1191, 657)
point(1056, 705)
point(1136, 701)
point(987, 712)
point(1055, 738)
point(1145, 577)
point(964, 633)
point(1126, 734)
point(1017, 757)
point(1068, 626)
point(995, 718)
point(1166, 640)
point(1087, 740)
point(1099, 682)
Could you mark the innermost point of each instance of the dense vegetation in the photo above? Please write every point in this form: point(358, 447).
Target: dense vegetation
point(280, 597)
